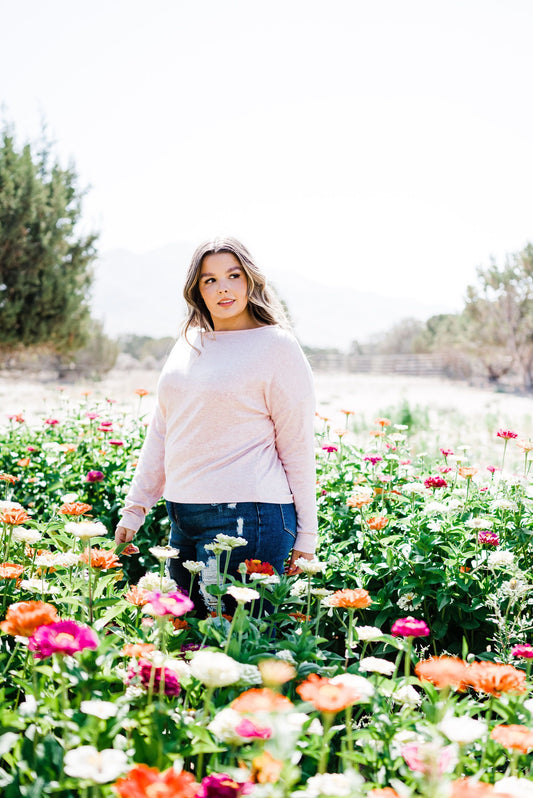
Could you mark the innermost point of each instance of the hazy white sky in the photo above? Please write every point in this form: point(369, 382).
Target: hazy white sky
point(385, 145)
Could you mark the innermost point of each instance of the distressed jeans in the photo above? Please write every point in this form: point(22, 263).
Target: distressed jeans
point(269, 529)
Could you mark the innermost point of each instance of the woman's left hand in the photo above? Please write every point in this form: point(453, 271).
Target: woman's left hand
point(292, 569)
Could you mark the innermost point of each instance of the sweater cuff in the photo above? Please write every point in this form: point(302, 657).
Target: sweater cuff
point(306, 542)
point(132, 520)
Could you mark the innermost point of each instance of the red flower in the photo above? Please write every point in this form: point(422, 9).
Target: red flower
point(258, 567)
point(506, 434)
point(435, 482)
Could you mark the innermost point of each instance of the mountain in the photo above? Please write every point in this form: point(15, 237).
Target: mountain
point(141, 293)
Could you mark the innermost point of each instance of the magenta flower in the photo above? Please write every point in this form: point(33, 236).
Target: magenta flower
point(373, 458)
point(106, 423)
point(51, 421)
point(63, 637)
point(330, 448)
point(148, 673)
point(524, 650)
point(116, 443)
point(409, 627)
point(94, 476)
point(220, 785)
point(435, 482)
point(104, 428)
point(492, 469)
point(487, 538)
point(250, 730)
point(446, 452)
point(161, 604)
point(506, 434)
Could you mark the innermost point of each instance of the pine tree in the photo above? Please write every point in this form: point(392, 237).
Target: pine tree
point(45, 265)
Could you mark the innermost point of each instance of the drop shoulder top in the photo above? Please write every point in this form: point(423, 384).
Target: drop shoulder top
point(234, 422)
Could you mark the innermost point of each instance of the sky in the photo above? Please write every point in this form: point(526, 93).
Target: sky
point(384, 146)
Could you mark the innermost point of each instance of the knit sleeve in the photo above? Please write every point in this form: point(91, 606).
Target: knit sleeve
point(291, 403)
point(149, 481)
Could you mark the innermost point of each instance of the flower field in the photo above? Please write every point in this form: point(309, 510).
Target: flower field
point(397, 663)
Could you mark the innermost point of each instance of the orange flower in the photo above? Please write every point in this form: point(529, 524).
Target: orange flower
point(137, 649)
point(261, 699)
point(383, 422)
point(9, 570)
point(145, 782)
point(359, 500)
point(300, 616)
point(75, 508)
point(377, 433)
point(358, 598)
point(443, 672)
point(266, 769)
point(141, 392)
point(14, 516)
point(469, 788)
point(131, 548)
point(24, 618)
point(467, 471)
point(276, 671)
point(384, 792)
point(100, 558)
point(137, 595)
point(24, 462)
point(258, 567)
point(377, 522)
point(494, 678)
point(179, 623)
point(8, 478)
point(324, 695)
point(516, 737)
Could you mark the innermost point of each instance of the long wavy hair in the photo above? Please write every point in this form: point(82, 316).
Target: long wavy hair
point(263, 303)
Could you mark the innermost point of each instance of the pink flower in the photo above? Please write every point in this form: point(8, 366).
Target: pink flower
point(106, 423)
point(444, 469)
point(250, 730)
point(524, 650)
point(63, 637)
point(435, 482)
point(425, 757)
point(31, 448)
point(104, 428)
point(116, 443)
point(492, 469)
point(446, 452)
point(409, 627)
point(148, 673)
point(373, 458)
point(220, 785)
point(487, 538)
point(51, 421)
point(161, 604)
point(507, 434)
point(330, 448)
point(92, 416)
point(94, 476)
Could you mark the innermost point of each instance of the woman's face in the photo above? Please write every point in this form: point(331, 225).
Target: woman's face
point(224, 289)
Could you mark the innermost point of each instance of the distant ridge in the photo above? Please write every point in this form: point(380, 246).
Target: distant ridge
point(141, 293)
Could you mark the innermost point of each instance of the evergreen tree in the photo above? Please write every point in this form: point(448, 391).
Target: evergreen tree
point(45, 265)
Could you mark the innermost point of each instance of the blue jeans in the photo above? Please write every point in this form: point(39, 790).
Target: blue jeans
point(269, 529)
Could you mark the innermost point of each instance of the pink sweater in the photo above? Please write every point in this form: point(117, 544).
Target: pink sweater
point(233, 423)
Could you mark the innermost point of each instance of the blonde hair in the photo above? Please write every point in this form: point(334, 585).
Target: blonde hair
point(263, 303)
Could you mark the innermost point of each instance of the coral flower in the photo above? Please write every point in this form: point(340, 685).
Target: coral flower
point(14, 516)
point(383, 792)
point(102, 559)
point(495, 678)
point(261, 699)
point(409, 627)
point(443, 672)
point(377, 522)
point(467, 472)
point(8, 478)
point(506, 434)
point(63, 637)
point(137, 595)
point(358, 598)
point(524, 650)
point(141, 392)
point(145, 782)
point(266, 769)
point(470, 788)
point(276, 671)
point(359, 499)
point(137, 649)
point(258, 567)
point(516, 737)
point(10, 570)
point(383, 422)
point(326, 696)
point(24, 618)
point(75, 508)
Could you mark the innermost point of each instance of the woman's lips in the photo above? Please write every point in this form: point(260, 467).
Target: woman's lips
point(226, 302)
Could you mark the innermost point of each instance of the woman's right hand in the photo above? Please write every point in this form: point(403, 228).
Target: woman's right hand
point(123, 535)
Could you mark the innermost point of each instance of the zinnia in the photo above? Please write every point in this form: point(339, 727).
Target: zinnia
point(153, 675)
point(24, 618)
point(10, 570)
point(358, 598)
point(143, 782)
point(214, 668)
point(14, 516)
point(220, 785)
point(524, 650)
point(261, 699)
point(506, 434)
point(75, 508)
point(258, 567)
point(515, 737)
point(409, 627)
point(174, 604)
point(101, 559)
point(326, 696)
point(443, 672)
point(495, 678)
point(435, 482)
point(377, 522)
point(63, 637)
point(94, 476)
point(250, 730)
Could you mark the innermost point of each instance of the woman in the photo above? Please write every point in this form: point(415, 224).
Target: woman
point(231, 443)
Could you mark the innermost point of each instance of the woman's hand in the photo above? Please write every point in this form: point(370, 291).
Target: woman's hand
point(292, 569)
point(123, 535)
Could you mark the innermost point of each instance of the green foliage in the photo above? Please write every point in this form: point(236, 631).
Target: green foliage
point(44, 263)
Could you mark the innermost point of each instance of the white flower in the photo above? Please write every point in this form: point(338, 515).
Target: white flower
point(479, 523)
point(28, 706)
point(242, 595)
point(86, 529)
point(377, 665)
point(299, 588)
point(181, 668)
point(22, 535)
point(362, 686)
point(332, 784)
point(518, 788)
point(164, 552)
point(406, 694)
point(515, 587)
point(500, 559)
point(250, 675)
point(435, 507)
point(503, 504)
point(66, 559)
point(435, 525)
point(45, 560)
point(310, 566)
point(10, 506)
point(414, 488)
point(527, 704)
point(265, 579)
point(100, 709)
point(69, 498)
point(152, 581)
point(463, 730)
point(224, 724)
point(193, 566)
point(39, 586)
point(368, 633)
point(86, 762)
point(405, 602)
point(231, 541)
point(288, 656)
point(321, 592)
point(215, 669)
